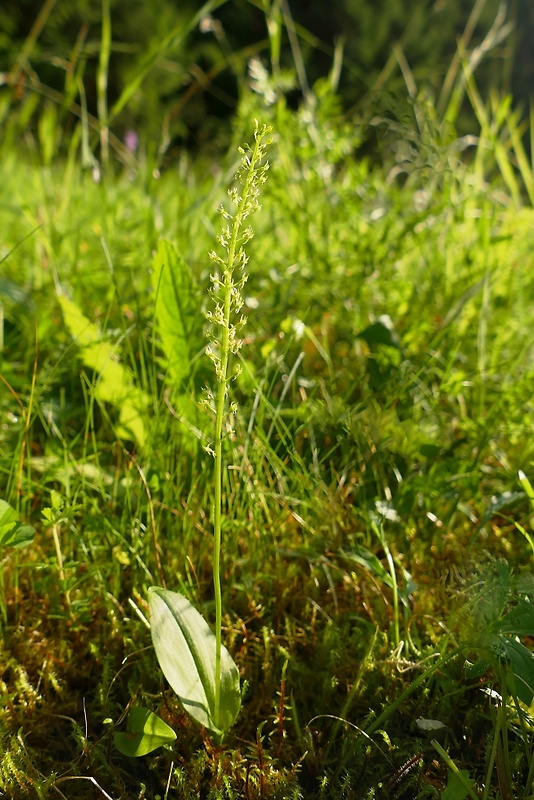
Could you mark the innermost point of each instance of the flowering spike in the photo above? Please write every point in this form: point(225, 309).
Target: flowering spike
point(225, 325)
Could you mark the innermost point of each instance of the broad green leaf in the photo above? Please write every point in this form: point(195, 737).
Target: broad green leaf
point(8, 515)
point(145, 733)
point(12, 532)
point(517, 622)
point(131, 424)
point(20, 536)
point(185, 648)
point(520, 667)
point(458, 785)
point(114, 384)
point(176, 310)
point(81, 329)
point(475, 670)
point(525, 585)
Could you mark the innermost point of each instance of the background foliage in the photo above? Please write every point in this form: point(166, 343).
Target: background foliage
point(378, 562)
point(193, 91)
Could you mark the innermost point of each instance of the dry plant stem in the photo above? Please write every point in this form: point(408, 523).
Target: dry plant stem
point(229, 290)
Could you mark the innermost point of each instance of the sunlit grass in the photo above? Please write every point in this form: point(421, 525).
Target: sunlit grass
point(384, 412)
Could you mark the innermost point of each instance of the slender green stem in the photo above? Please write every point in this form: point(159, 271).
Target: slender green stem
point(491, 758)
point(228, 302)
point(463, 780)
point(394, 585)
point(217, 511)
point(102, 83)
point(60, 569)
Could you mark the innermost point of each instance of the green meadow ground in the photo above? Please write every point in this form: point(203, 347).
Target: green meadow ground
point(377, 566)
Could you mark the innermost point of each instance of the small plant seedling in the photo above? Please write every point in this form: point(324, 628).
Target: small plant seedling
point(186, 648)
point(145, 733)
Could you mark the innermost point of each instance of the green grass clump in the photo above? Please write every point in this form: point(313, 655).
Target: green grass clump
point(376, 576)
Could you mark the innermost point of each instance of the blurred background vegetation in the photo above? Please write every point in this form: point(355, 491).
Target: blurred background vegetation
point(184, 65)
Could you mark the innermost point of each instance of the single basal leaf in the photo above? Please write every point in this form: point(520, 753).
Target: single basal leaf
point(145, 733)
point(185, 647)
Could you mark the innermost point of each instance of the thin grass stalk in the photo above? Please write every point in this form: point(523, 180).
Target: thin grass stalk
point(466, 785)
point(394, 584)
point(489, 142)
point(526, 738)
point(448, 104)
point(381, 720)
point(31, 39)
point(60, 568)
point(454, 86)
point(25, 449)
point(75, 68)
point(504, 767)
point(273, 19)
point(296, 52)
point(176, 35)
point(80, 111)
point(529, 783)
point(102, 83)
point(525, 168)
point(492, 757)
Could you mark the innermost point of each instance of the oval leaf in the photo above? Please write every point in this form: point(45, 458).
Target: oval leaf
point(145, 733)
point(185, 648)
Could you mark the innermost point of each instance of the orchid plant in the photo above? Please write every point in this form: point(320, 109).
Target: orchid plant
point(192, 657)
